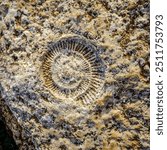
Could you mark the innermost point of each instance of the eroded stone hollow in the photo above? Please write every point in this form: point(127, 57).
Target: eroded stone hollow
point(73, 70)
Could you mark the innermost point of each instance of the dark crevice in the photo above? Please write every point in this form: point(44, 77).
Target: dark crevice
point(6, 140)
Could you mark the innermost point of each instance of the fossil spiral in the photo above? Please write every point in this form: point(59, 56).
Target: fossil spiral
point(72, 69)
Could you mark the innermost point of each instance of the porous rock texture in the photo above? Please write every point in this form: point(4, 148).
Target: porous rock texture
point(115, 119)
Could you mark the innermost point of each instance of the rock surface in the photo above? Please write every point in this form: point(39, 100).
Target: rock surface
point(116, 119)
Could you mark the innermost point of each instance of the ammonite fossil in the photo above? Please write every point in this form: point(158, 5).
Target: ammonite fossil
point(72, 70)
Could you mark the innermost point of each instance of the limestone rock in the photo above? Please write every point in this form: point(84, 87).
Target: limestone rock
point(74, 75)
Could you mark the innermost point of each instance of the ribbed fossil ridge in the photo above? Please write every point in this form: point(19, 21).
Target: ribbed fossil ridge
point(73, 70)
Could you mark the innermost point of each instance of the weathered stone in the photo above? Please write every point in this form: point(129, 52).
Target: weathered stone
point(75, 74)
